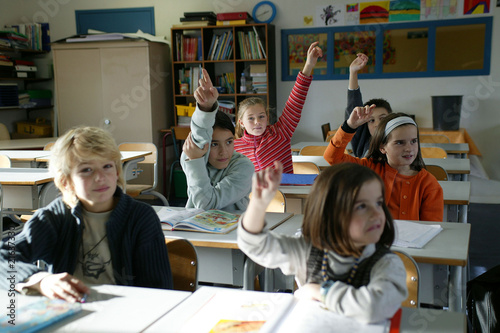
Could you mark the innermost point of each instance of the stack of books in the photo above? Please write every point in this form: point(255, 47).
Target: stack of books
point(35, 36)
point(188, 47)
point(251, 46)
point(226, 80)
point(6, 66)
point(221, 47)
point(259, 78)
point(9, 95)
point(233, 18)
point(198, 19)
point(15, 39)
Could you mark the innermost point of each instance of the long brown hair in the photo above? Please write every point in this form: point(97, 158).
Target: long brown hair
point(329, 206)
point(379, 139)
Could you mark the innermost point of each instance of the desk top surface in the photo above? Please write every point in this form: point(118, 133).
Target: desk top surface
point(26, 143)
point(126, 155)
point(25, 176)
point(24, 155)
point(449, 247)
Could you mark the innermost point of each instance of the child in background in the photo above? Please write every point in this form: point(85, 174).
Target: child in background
point(360, 143)
point(412, 193)
point(217, 176)
point(94, 233)
point(263, 143)
point(342, 258)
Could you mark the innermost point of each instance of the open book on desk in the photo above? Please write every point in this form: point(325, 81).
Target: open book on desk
point(413, 234)
point(213, 220)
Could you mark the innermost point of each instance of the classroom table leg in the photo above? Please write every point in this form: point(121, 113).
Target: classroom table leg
point(248, 274)
point(456, 292)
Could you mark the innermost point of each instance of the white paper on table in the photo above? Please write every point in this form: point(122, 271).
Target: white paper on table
point(415, 235)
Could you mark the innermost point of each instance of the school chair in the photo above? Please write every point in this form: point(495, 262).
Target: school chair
point(412, 280)
point(330, 135)
point(307, 168)
point(313, 150)
point(49, 145)
point(433, 152)
point(325, 128)
point(4, 132)
point(183, 264)
point(150, 161)
point(437, 171)
point(278, 204)
point(434, 138)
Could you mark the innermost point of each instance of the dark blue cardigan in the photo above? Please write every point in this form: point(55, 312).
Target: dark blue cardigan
point(136, 242)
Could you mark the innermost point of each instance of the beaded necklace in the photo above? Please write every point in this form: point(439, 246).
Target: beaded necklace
point(324, 264)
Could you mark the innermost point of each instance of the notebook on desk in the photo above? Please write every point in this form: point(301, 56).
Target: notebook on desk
point(297, 179)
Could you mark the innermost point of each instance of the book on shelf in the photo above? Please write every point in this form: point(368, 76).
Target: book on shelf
point(25, 68)
point(262, 51)
point(233, 16)
point(231, 22)
point(414, 235)
point(201, 14)
point(26, 75)
point(192, 24)
point(197, 18)
point(258, 70)
point(211, 221)
point(37, 35)
point(38, 313)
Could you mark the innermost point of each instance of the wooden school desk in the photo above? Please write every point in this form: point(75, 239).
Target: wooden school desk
point(285, 313)
point(111, 308)
point(219, 258)
point(460, 136)
point(37, 143)
point(450, 247)
point(24, 158)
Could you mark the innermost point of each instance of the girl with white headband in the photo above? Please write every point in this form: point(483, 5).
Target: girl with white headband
point(412, 193)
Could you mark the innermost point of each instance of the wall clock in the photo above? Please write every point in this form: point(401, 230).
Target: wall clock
point(264, 12)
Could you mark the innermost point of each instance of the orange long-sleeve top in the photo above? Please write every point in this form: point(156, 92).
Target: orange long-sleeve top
point(418, 197)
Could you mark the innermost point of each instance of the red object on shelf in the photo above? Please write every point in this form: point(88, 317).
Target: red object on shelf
point(233, 16)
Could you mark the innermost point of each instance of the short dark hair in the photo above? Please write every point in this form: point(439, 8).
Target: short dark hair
point(378, 139)
point(329, 207)
point(380, 103)
point(223, 121)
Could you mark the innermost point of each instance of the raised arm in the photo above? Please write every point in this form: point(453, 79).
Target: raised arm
point(265, 183)
point(313, 54)
point(356, 66)
point(206, 95)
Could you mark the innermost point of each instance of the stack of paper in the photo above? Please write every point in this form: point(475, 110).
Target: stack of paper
point(413, 234)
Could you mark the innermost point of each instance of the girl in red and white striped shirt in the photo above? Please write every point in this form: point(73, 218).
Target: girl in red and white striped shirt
point(263, 143)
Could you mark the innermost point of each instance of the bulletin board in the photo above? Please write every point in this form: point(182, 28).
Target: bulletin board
point(123, 20)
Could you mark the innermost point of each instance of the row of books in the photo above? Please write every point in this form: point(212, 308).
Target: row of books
point(210, 18)
point(226, 80)
point(191, 76)
point(221, 47)
point(258, 75)
point(250, 45)
point(35, 36)
point(188, 48)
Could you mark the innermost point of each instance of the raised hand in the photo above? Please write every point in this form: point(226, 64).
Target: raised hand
point(360, 115)
point(313, 54)
point(358, 63)
point(206, 95)
point(63, 286)
point(191, 150)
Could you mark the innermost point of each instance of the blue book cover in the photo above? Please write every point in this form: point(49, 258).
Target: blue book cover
point(38, 315)
point(297, 179)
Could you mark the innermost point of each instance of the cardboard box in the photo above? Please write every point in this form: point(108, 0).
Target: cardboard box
point(39, 128)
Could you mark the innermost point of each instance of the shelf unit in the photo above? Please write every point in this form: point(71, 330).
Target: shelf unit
point(235, 64)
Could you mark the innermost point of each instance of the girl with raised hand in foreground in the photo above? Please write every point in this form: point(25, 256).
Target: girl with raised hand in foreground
point(342, 258)
point(412, 193)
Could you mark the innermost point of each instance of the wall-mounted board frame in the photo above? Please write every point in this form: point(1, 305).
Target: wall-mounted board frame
point(124, 20)
point(457, 47)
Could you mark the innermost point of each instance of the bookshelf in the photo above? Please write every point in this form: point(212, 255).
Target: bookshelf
point(193, 48)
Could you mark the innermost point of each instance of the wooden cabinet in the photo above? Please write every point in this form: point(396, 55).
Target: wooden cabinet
point(234, 63)
point(123, 86)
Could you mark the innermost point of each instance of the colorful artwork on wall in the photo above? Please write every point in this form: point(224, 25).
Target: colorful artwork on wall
point(438, 9)
point(404, 10)
point(374, 12)
point(298, 44)
point(327, 16)
point(351, 16)
point(472, 7)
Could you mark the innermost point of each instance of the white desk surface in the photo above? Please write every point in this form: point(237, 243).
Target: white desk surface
point(24, 155)
point(449, 247)
point(283, 313)
point(451, 165)
point(227, 241)
point(25, 143)
point(119, 309)
point(126, 155)
point(450, 148)
point(24, 176)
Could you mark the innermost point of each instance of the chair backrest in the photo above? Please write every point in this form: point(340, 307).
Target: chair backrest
point(437, 171)
point(5, 161)
point(4, 132)
point(305, 168)
point(412, 280)
point(433, 152)
point(149, 159)
point(313, 150)
point(183, 264)
point(434, 138)
point(49, 145)
point(325, 128)
point(330, 135)
point(278, 204)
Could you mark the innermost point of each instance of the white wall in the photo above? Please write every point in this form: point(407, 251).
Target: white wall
point(327, 99)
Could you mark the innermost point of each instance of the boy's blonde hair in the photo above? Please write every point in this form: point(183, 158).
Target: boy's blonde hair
point(242, 108)
point(79, 145)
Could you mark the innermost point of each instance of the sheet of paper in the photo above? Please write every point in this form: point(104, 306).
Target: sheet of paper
point(415, 235)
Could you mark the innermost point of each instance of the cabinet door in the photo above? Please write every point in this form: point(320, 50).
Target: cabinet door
point(127, 92)
point(78, 87)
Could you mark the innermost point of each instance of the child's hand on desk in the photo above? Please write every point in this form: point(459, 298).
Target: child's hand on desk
point(206, 95)
point(191, 150)
point(309, 291)
point(360, 115)
point(63, 286)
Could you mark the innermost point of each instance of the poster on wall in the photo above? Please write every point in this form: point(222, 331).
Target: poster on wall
point(329, 15)
point(473, 7)
point(298, 44)
point(404, 10)
point(374, 12)
point(351, 16)
point(438, 9)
